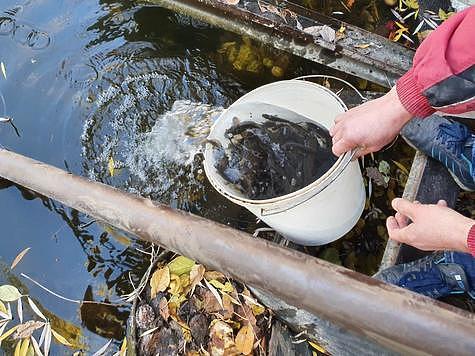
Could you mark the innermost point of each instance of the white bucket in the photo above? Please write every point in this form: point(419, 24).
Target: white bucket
point(320, 212)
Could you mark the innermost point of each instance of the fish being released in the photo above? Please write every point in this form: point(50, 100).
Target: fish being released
point(273, 158)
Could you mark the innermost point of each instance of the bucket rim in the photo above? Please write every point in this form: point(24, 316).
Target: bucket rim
point(302, 191)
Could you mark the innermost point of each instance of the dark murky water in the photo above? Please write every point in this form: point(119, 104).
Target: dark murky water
point(274, 157)
point(122, 94)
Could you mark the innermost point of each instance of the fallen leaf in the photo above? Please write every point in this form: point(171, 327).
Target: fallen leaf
point(26, 330)
point(230, 2)
point(375, 175)
point(196, 275)
point(163, 308)
point(61, 339)
point(8, 333)
point(228, 306)
point(20, 310)
point(149, 331)
point(384, 167)
point(350, 3)
point(221, 337)
point(17, 348)
point(181, 265)
point(317, 347)
point(363, 45)
point(47, 344)
point(35, 309)
point(3, 309)
point(103, 349)
point(123, 347)
point(209, 275)
point(36, 346)
point(215, 293)
point(19, 257)
point(4, 71)
point(24, 347)
point(245, 340)
point(401, 167)
point(159, 281)
point(412, 4)
point(325, 32)
point(9, 293)
point(111, 166)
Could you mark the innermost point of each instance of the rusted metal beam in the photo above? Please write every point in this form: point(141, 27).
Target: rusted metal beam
point(382, 62)
point(390, 316)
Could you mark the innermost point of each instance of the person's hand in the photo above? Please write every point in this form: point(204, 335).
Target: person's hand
point(433, 226)
point(370, 126)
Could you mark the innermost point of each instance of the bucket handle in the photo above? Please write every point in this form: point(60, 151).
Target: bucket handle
point(345, 162)
point(310, 76)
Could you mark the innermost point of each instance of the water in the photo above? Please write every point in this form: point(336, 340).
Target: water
point(121, 94)
point(87, 82)
point(274, 157)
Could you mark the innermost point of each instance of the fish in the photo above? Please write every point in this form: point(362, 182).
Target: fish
point(274, 157)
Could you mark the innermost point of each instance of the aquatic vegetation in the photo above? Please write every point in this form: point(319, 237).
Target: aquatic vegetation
point(245, 56)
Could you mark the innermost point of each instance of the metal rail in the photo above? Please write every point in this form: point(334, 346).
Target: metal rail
point(383, 62)
point(390, 316)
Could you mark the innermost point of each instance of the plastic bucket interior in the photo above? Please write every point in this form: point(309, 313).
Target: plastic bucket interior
point(324, 210)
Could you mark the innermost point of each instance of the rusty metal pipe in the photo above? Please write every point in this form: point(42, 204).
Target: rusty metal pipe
point(393, 317)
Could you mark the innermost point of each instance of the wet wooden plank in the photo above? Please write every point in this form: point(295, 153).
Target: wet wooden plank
point(383, 62)
point(428, 182)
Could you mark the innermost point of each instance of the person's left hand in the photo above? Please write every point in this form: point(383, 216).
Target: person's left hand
point(432, 226)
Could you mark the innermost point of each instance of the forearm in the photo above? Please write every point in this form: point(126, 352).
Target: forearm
point(442, 76)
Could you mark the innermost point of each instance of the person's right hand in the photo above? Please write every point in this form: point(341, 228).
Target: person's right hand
point(370, 126)
point(433, 226)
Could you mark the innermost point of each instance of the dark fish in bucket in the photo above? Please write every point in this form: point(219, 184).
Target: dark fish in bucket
point(278, 155)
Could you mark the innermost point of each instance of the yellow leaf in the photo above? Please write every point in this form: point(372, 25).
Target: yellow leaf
point(317, 347)
point(8, 333)
point(111, 166)
point(216, 284)
point(175, 285)
point(24, 347)
point(412, 4)
point(245, 340)
point(363, 45)
point(61, 339)
point(257, 309)
point(214, 275)
point(159, 281)
point(19, 257)
point(17, 348)
point(181, 265)
point(123, 348)
point(401, 167)
point(3, 309)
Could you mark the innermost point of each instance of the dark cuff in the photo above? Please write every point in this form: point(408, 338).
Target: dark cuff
point(410, 95)
point(471, 240)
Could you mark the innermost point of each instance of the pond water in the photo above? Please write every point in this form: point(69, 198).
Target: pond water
point(124, 94)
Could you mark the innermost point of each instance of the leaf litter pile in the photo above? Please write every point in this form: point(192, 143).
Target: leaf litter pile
point(273, 158)
point(186, 309)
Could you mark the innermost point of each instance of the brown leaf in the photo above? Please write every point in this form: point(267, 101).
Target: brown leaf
point(163, 307)
point(196, 275)
point(159, 281)
point(374, 174)
point(228, 307)
point(245, 340)
point(221, 337)
point(26, 330)
point(19, 257)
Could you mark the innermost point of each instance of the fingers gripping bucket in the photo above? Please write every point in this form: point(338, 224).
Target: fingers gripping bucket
point(319, 213)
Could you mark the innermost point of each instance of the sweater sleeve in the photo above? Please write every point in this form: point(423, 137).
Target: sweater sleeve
point(442, 77)
point(471, 241)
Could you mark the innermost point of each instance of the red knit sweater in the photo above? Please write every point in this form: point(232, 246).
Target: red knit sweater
point(442, 77)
